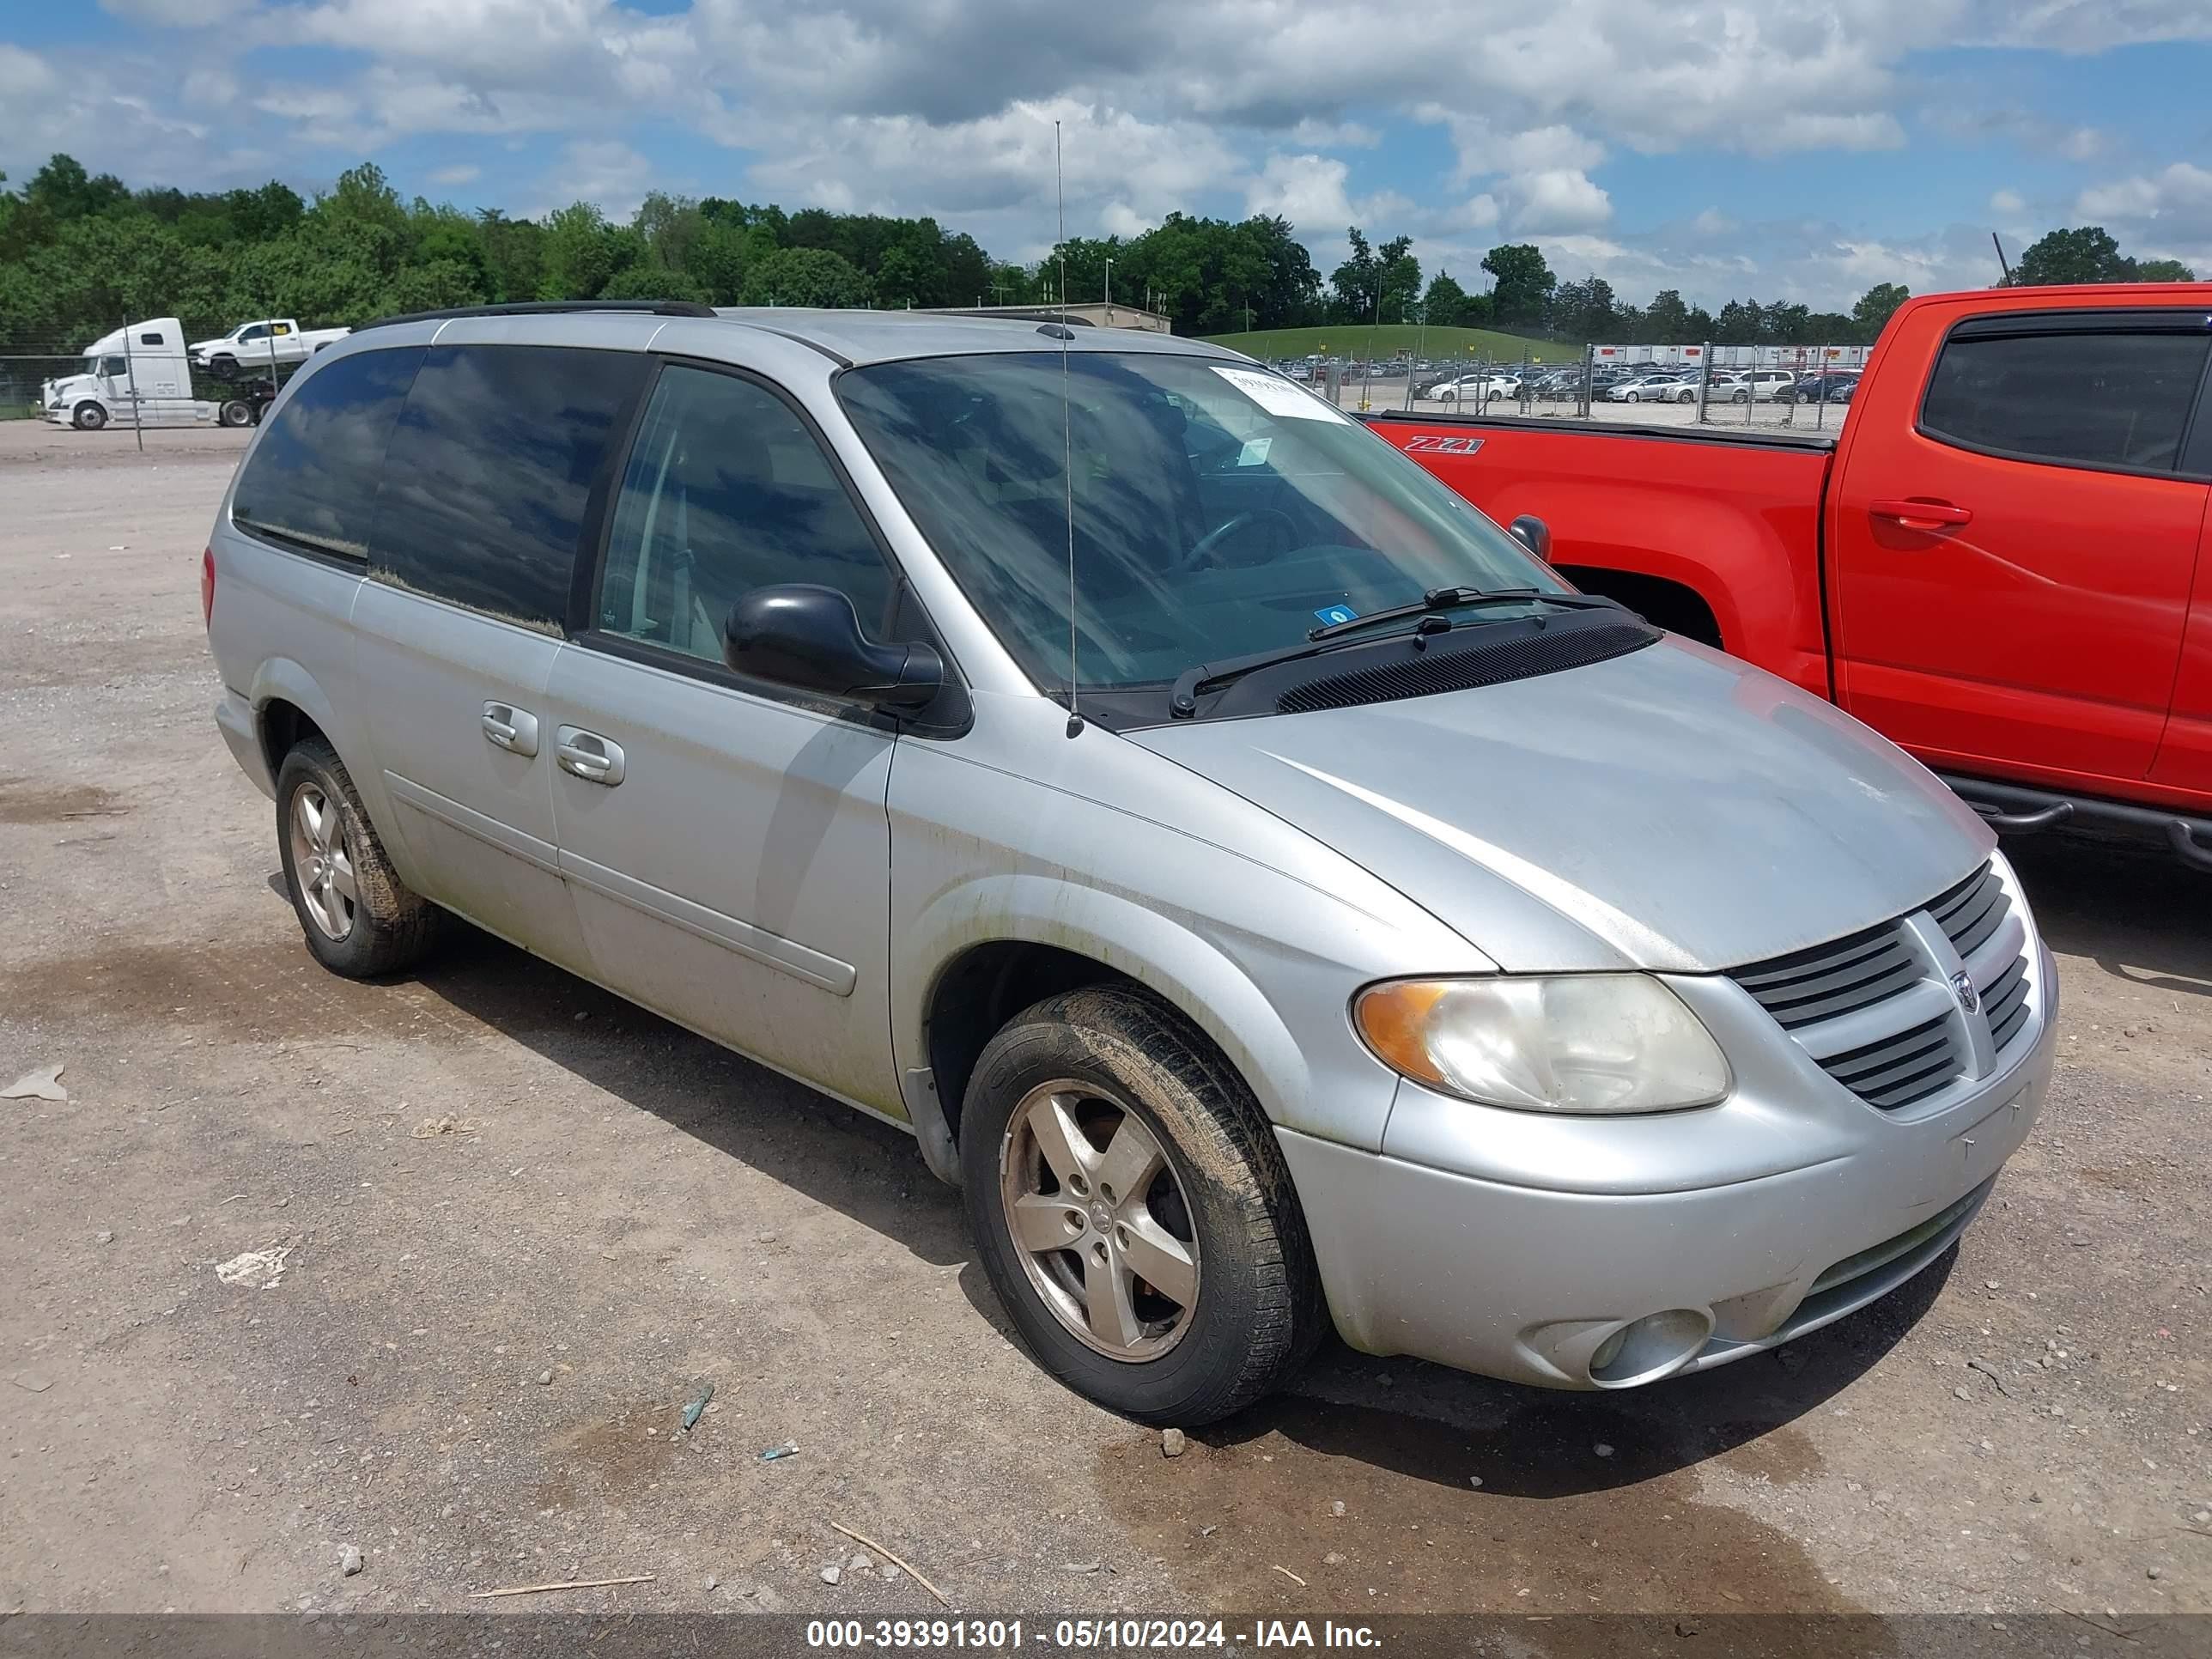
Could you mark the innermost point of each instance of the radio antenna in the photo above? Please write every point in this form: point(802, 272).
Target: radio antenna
point(1066, 432)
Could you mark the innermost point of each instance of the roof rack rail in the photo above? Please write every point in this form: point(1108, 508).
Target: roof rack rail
point(549, 307)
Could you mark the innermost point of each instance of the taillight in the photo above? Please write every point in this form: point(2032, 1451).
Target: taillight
point(207, 588)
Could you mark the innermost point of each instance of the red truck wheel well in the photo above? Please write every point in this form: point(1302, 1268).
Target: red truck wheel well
point(1673, 606)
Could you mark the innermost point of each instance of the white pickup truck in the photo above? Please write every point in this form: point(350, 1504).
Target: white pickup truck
point(267, 343)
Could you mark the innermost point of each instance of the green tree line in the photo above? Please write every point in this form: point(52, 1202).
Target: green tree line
point(81, 252)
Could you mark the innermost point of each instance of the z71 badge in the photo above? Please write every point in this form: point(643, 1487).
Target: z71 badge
point(1443, 445)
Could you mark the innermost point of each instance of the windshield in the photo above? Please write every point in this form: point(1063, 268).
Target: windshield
point(1218, 509)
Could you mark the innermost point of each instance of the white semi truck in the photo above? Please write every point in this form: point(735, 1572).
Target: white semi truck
point(258, 347)
point(138, 375)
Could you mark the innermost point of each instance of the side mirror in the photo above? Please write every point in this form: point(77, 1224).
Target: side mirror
point(1532, 533)
point(798, 634)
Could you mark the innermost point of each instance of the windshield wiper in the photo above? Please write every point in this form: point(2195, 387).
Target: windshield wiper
point(1183, 698)
point(1460, 598)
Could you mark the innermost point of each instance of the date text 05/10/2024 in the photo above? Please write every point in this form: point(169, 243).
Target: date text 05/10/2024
point(1083, 1635)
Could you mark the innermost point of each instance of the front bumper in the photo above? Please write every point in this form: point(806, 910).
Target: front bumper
point(1526, 1282)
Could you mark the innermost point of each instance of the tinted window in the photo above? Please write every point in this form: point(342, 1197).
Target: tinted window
point(727, 491)
point(312, 479)
point(2096, 399)
point(491, 472)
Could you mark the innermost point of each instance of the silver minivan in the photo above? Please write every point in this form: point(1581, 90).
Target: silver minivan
point(1269, 892)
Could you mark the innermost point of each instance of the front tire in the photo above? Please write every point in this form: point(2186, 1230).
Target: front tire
point(88, 417)
point(1134, 1212)
point(359, 918)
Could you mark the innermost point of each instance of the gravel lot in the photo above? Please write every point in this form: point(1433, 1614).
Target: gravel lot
point(522, 1219)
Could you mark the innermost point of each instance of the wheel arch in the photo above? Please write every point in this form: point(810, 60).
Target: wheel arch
point(1001, 944)
point(288, 706)
point(1675, 605)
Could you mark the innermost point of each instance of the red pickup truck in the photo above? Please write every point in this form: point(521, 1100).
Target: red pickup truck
point(2004, 560)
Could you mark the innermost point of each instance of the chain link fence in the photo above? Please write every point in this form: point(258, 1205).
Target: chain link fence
point(1780, 386)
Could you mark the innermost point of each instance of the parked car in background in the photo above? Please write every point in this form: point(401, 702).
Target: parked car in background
point(1833, 385)
point(1278, 954)
point(1474, 388)
point(269, 342)
point(1761, 386)
point(2004, 560)
point(1651, 389)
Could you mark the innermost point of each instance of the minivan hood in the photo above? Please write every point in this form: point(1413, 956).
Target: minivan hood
point(1672, 809)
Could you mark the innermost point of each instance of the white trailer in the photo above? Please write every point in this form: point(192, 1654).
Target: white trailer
point(139, 375)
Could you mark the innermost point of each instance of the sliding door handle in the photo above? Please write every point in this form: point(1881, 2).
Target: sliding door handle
point(588, 756)
point(506, 726)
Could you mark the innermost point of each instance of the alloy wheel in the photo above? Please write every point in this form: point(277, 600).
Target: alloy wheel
point(322, 863)
point(1099, 1219)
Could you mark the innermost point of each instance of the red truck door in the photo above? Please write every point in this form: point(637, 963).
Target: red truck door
point(2013, 538)
point(2185, 756)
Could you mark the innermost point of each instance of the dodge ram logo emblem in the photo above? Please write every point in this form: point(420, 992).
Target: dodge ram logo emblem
point(1963, 989)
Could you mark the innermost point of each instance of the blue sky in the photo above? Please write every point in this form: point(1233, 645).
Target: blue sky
point(1781, 148)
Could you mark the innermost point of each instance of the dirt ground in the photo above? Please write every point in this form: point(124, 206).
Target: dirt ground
point(472, 1362)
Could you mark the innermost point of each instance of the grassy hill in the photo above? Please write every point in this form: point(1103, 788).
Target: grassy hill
point(1362, 341)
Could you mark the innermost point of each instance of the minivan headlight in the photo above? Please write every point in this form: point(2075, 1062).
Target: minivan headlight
point(1581, 1042)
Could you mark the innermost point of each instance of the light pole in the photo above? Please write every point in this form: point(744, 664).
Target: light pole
point(1109, 290)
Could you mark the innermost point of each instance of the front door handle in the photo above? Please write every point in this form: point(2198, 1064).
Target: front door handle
point(506, 726)
point(590, 756)
point(1922, 516)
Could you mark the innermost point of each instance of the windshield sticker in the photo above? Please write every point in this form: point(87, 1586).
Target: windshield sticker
point(1278, 395)
point(1254, 453)
point(1332, 614)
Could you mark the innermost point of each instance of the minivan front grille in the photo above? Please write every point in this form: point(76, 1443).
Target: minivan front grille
point(1973, 910)
point(1881, 1011)
point(1832, 979)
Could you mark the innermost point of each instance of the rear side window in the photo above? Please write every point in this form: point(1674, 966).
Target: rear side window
point(491, 470)
point(311, 482)
point(2095, 400)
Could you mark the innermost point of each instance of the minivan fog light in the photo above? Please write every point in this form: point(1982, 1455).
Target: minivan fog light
point(1577, 1043)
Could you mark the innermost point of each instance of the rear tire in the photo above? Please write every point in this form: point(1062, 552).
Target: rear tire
point(360, 919)
point(88, 417)
point(236, 411)
point(1097, 1063)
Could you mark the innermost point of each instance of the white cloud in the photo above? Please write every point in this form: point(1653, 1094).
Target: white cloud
point(947, 108)
point(1307, 190)
point(2162, 214)
point(611, 174)
point(182, 14)
point(1559, 199)
point(2084, 143)
point(24, 74)
point(1804, 129)
point(1310, 133)
point(465, 172)
point(2087, 25)
point(2007, 202)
